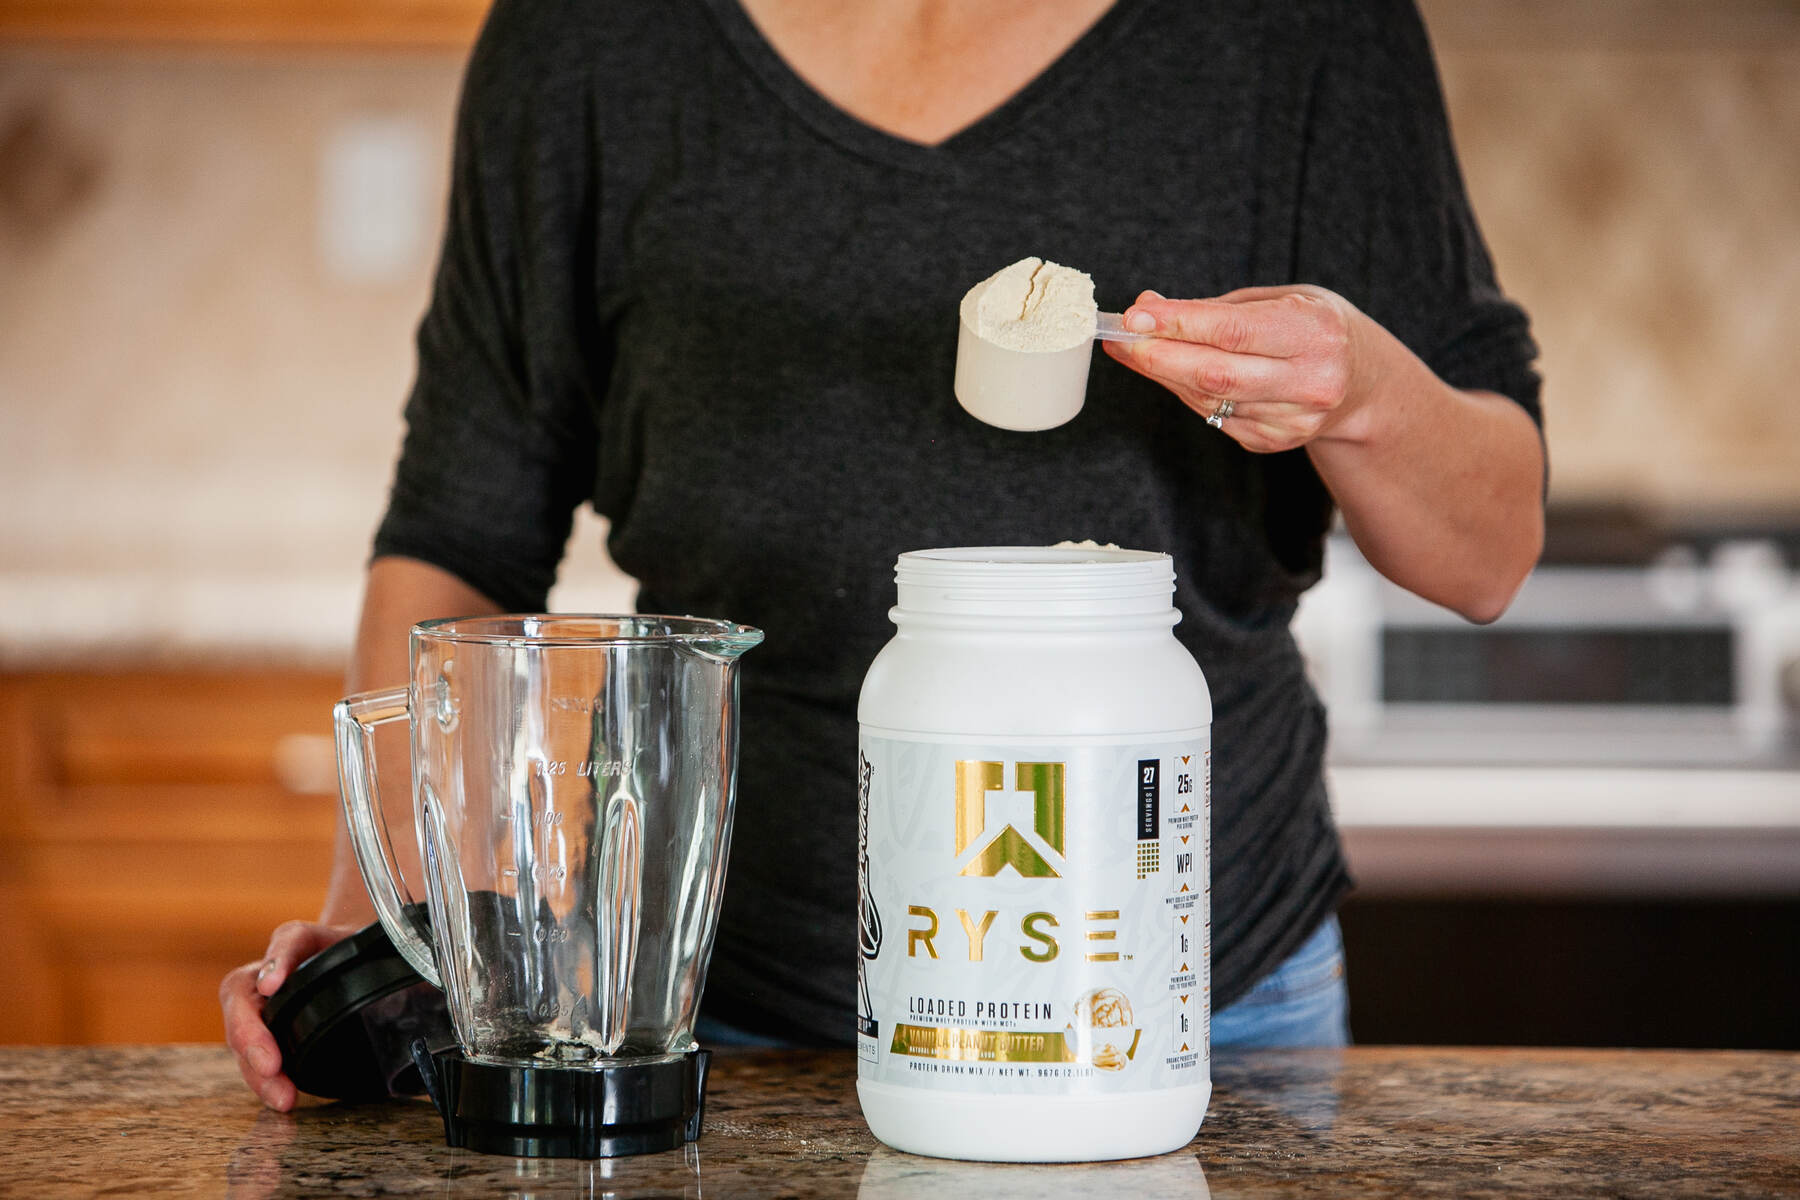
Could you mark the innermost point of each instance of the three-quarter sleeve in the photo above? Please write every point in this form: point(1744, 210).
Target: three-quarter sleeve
point(1384, 217)
point(500, 425)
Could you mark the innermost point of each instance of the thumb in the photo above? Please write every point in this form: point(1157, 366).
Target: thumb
point(1219, 323)
point(290, 945)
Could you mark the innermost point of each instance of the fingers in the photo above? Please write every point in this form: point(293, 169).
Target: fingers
point(290, 945)
point(258, 1058)
point(242, 995)
point(1283, 356)
point(1265, 432)
point(1272, 322)
point(1192, 369)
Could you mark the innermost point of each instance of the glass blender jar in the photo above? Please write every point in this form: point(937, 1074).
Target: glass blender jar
point(573, 780)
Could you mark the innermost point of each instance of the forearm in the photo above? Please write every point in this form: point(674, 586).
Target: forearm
point(1441, 489)
point(399, 594)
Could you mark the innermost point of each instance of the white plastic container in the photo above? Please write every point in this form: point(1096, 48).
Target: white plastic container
point(1034, 862)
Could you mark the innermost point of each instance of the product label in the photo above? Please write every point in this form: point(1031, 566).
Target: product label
point(1036, 919)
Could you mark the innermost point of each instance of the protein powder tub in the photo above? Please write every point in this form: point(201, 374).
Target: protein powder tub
point(1035, 786)
point(1024, 344)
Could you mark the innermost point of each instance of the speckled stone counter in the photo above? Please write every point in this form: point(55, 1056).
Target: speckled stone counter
point(175, 1120)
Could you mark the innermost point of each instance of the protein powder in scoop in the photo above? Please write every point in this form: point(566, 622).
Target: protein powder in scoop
point(1024, 345)
point(1034, 306)
point(1023, 350)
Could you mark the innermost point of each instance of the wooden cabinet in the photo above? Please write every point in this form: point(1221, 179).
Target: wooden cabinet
point(430, 24)
point(154, 827)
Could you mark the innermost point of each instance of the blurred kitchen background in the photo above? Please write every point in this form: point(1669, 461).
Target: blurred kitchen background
point(217, 227)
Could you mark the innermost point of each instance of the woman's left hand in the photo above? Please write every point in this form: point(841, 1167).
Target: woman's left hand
point(1441, 488)
point(1292, 361)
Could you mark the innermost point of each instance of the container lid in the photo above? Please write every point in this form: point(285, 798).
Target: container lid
point(1035, 581)
point(321, 1019)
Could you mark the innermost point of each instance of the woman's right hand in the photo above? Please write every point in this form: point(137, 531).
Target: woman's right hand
point(243, 993)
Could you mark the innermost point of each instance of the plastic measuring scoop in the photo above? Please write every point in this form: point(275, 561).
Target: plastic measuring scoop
point(1028, 389)
point(1110, 327)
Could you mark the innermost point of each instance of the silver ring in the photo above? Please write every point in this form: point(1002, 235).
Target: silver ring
point(1220, 413)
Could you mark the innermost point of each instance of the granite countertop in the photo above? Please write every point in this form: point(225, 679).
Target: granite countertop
point(1371, 1121)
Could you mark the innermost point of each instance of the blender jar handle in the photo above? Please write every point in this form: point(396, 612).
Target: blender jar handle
point(355, 719)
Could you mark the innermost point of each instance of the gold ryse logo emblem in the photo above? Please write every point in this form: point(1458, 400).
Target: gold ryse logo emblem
point(1009, 847)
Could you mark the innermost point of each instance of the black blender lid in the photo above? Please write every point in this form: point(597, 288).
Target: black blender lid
point(317, 1019)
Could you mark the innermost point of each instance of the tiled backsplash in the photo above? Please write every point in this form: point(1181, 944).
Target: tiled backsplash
point(201, 366)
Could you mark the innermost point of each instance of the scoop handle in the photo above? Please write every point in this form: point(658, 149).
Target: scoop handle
point(1110, 327)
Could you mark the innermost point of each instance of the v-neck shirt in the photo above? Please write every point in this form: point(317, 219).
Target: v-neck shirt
point(680, 285)
point(858, 136)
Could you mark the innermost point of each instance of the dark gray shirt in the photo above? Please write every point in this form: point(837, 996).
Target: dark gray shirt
point(680, 285)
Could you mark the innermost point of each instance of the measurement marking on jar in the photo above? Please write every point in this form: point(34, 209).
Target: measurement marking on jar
point(539, 874)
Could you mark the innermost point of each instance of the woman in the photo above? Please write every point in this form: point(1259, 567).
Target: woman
point(702, 271)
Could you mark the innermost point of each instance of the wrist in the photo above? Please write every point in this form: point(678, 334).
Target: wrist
point(1381, 374)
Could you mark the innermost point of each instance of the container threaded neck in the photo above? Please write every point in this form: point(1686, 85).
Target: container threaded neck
point(1034, 581)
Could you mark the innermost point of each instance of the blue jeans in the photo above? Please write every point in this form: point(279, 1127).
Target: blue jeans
point(1302, 1002)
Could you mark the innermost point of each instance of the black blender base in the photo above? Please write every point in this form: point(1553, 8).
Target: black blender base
point(562, 1112)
